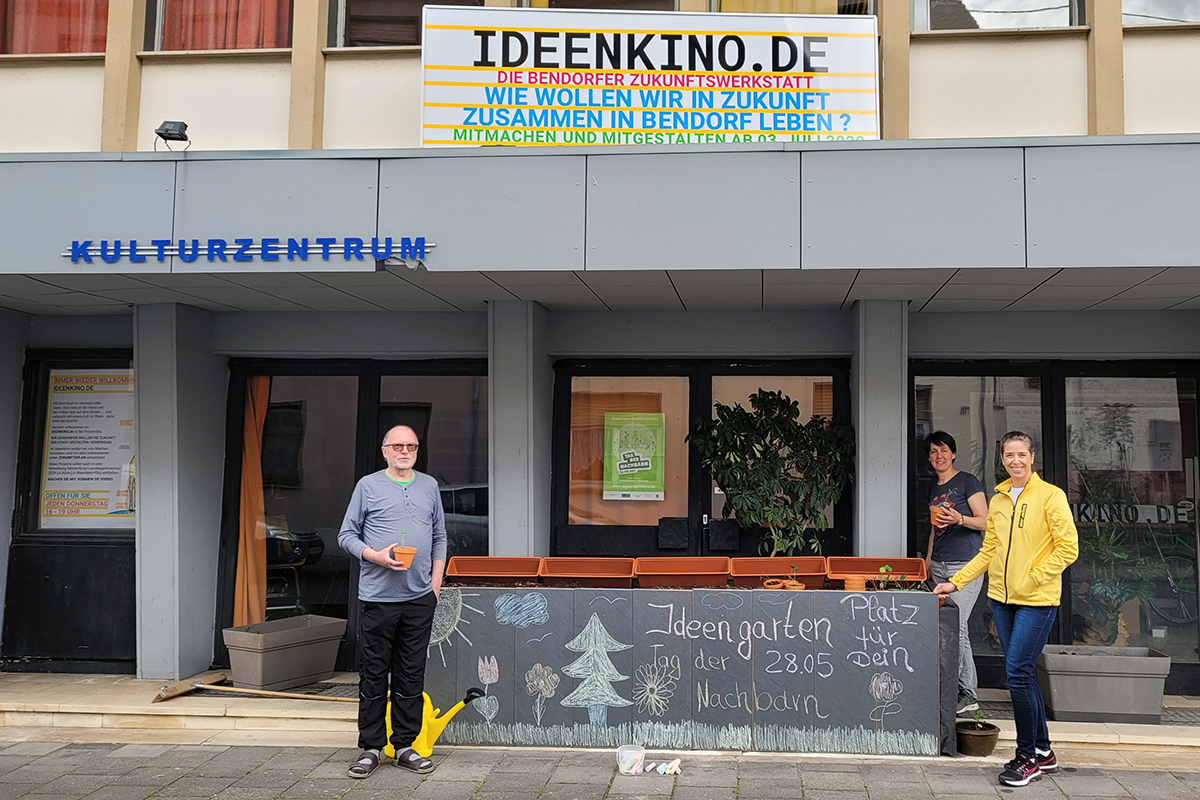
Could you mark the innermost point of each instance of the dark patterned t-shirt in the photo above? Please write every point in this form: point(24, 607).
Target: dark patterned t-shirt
point(956, 542)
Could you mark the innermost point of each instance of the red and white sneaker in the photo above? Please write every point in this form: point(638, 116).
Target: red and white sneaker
point(1021, 771)
point(1046, 761)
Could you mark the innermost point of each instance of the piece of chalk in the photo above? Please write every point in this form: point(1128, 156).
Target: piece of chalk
point(673, 767)
point(662, 769)
point(649, 767)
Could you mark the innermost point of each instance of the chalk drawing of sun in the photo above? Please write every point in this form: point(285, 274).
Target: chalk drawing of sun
point(447, 618)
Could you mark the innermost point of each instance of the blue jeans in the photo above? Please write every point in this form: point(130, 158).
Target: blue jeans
point(1023, 631)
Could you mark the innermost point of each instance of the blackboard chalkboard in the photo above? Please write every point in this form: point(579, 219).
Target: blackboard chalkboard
point(703, 669)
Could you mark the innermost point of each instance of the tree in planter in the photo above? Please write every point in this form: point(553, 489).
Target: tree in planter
point(776, 472)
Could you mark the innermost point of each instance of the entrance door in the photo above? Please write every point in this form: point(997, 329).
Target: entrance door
point(626, 483)
point(71, 593)
point(1131, 470)
point(323, 425)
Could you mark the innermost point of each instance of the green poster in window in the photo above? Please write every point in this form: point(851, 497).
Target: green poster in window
point(633, 456)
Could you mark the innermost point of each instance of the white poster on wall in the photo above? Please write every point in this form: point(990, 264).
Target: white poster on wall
point(88, 454)
point(527, 76)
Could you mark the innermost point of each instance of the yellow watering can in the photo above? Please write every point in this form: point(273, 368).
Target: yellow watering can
point(431, 724)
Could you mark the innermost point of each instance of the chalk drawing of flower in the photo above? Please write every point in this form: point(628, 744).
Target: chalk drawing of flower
point(543, 682)
point(489, 670)
point(885, 689)
point(653, 688)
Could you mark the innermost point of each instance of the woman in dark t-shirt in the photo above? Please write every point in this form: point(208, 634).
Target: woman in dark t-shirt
point(958, 517)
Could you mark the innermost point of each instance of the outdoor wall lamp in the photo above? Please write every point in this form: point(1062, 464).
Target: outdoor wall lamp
point(172, 131)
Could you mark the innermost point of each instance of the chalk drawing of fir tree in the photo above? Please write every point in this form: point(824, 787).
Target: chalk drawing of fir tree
point(596, 671)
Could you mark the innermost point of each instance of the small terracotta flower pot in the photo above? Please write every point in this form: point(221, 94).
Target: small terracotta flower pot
point(773, 583)
point(404, 555)
point(856, 583)
point(795, 586)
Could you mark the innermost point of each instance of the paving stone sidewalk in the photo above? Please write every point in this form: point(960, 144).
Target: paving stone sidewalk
point(37, 770)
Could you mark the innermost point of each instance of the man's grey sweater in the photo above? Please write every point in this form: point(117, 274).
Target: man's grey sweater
point(383, 512)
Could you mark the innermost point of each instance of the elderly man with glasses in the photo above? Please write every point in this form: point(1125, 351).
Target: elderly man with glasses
point(395, 506)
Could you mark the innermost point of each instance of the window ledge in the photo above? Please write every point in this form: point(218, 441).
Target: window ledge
point(1011, 33)
point(1172, 27)
point(370, 52)
point(49, 58)
point(270, 53)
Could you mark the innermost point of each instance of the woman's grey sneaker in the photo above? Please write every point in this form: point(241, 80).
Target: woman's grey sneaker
point(368, 762)
point(411, 759)
point(1046, 761)
point(1021, 771)
point(967, 702)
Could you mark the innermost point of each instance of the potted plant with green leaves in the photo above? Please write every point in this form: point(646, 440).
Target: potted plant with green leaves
point(976, 737)
point(777, 473)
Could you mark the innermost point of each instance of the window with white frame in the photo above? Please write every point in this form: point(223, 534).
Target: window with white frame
point(940, 15)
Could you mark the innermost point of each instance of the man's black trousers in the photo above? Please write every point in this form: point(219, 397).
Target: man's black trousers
point(393, 642)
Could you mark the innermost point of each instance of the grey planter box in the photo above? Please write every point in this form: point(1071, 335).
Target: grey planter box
point(283, 653)
point(1103, 684)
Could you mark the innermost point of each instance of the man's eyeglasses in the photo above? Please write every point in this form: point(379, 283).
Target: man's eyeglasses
point(400, 448)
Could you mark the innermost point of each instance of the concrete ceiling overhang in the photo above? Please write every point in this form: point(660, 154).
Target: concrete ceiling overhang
point(418, 290)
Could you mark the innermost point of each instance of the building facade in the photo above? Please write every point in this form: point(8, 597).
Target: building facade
point(1015, 253)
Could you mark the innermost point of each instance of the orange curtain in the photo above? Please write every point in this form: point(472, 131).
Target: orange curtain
point(225, 24)
point(53, 26)
point(250, 586)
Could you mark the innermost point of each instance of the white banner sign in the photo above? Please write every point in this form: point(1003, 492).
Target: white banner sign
point(88, 458)
point(525, 76)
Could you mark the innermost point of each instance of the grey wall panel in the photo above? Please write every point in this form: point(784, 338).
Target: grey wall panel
point(1056, 334)
point(46, 206)
point(693, 211)
point(780, 334)
point(383, 334)
point(488, 213)
point(277, 199)
point(89, 332)
point(1113, 206)
point(912, 208)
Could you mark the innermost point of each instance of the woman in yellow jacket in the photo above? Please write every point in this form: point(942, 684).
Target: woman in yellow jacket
point(1029, 541)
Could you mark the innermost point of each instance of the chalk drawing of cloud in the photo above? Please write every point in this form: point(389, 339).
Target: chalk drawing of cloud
point(722, 601)
point(522, 610)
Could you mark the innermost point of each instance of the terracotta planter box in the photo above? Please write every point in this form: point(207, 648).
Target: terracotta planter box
point(749, 572)
point(1103, 684)
point(614, 573)
point(868, 567)
point(685, 571)
point(283, 653)
point(493, 570)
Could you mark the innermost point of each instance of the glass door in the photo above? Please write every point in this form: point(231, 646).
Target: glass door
point(300, 435)
point(1131, 466)
point(977, 410)
point(814, 394)
point(307, 461)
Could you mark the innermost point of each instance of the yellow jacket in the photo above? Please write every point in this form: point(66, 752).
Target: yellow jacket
point(1026, 548)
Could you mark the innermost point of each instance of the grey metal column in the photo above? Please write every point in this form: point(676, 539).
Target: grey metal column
point(14, 331)
point(520, 402)
point(880, 389)
point(180, 395)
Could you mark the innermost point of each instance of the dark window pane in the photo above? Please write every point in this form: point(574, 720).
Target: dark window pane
point(379, 23)
point(449, 414)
